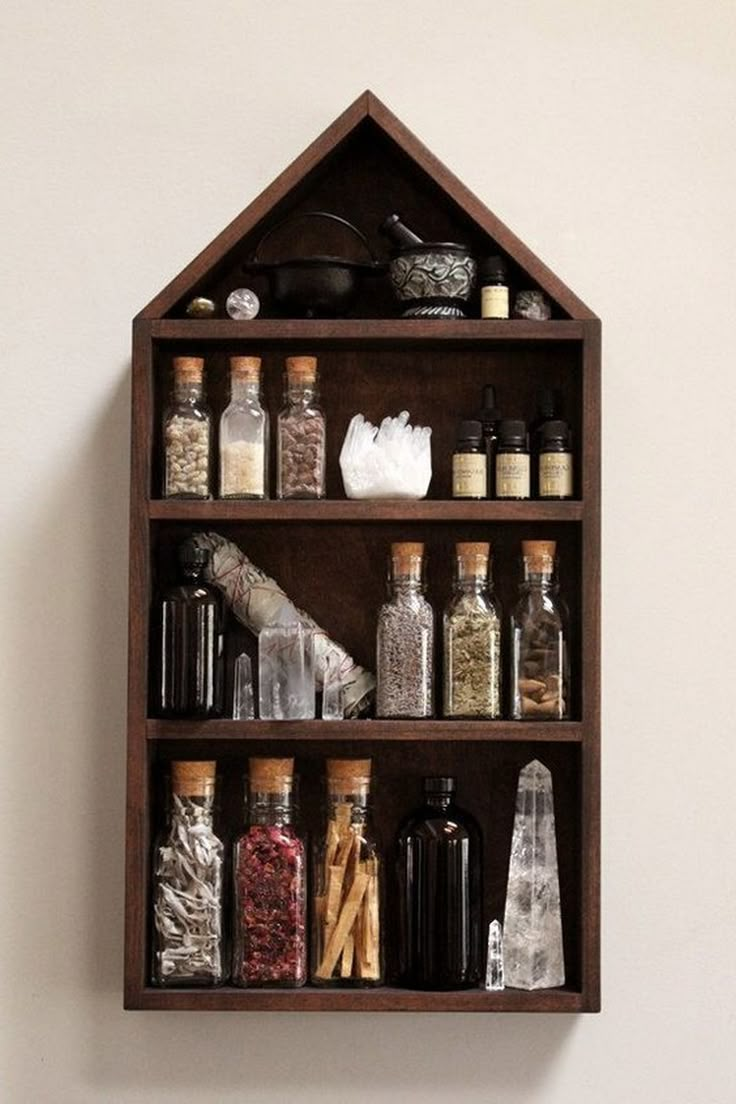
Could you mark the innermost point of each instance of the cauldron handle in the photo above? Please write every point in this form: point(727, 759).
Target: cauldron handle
point(313, 214)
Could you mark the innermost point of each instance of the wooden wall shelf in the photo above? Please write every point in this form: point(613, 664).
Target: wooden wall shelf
point(364, 513)
point(368, 730)
point(330, 555)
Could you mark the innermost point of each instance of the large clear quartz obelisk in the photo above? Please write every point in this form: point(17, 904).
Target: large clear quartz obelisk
point(532, 926)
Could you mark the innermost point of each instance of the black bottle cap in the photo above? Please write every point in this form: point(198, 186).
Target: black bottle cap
point(444, 785)
point(512, 432)
point(470, 431)
point(554, 431)
point(191, 555)
point(492, 268)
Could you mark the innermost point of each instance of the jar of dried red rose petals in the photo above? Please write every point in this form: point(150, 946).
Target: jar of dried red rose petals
point(269, 947)
point(347, 922)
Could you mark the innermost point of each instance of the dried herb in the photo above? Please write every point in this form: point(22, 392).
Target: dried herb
point(271, 906)
point(473, 664)
point(187, 906)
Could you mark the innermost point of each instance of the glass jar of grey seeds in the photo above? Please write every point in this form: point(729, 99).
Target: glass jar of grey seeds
point(187, 434)
point(405, 640)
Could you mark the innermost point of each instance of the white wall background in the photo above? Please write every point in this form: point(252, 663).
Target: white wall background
point(602, 133)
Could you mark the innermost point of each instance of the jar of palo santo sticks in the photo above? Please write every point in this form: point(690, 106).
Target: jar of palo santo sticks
point(347, 921)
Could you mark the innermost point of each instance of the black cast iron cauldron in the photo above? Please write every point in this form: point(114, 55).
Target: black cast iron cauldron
point(318, 286)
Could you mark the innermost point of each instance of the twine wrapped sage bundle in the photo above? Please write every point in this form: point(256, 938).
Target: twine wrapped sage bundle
point(257, 600)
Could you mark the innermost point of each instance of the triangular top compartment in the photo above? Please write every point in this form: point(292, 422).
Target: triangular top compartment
point(364, 166)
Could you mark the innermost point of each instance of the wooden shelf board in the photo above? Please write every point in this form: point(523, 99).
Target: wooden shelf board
point(482, 731)
point(374, 330)
point(401, 510)
point(384, 999)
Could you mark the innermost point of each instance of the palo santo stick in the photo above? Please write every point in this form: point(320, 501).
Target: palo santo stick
point(334, 894)
point(346, 966)
point(345, 922)
point(369, 926)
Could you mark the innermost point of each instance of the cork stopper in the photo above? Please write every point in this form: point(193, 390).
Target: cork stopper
point(188, 369)
point(193, 778)
point(539, 555)
point(245, 368)
point(406, 557)
point(472, 557)
point(301, 369)
point(348, 775)
point(270, 775)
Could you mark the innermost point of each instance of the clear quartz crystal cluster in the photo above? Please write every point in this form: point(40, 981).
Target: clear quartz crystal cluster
point(532, 928)
point(392, 460)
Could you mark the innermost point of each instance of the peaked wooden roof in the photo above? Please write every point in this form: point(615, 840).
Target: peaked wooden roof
point(367, 106)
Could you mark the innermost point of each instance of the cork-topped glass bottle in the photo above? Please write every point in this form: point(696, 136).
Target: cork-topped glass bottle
point(346, 915)
point(187, 883)
point(270, 883)
point(187, 434)
point(539, 641)
point(244, 434)
point(301, 433)
point(472, 638)
point(405, 639)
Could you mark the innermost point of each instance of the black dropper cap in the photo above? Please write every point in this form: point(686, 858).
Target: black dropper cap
point(492, 269)
point(546, 403)
point(443, 785)
point(192, 557)
point(554, 431)
point(470, 432)
point(512, 432)
point(489, 402)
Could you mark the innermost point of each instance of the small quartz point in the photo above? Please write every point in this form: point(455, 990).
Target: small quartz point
point(332, 695)
point(532, 926)
point(243, 707)
point(494, 963)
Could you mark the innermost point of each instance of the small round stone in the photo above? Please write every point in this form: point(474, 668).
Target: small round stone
point(242, 304)
point(201, 308)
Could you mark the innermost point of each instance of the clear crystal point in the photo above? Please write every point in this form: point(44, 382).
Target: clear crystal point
point(333, 708)
point(494, 962)
point(243, 705)
point(532, 927)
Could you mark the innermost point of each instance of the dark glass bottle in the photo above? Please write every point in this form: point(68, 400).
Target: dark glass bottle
point(548, 407)
point(440, 893)
point(490, 419)
point(494, 288)
point(469, 479)
point(554, 462)
point(189, 642)
point(512, 460)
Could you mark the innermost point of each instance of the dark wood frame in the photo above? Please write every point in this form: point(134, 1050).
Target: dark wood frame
point(157, 332)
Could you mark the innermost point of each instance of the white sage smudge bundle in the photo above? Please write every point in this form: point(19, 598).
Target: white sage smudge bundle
point(393, 460)
point(187, 906)
point(257, 601)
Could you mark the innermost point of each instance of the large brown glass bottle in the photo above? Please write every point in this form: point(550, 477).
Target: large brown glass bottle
point(188, 648)
point(440, 893)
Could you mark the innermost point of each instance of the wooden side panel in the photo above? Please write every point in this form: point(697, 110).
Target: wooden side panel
point(138, 803)
point(591, 682)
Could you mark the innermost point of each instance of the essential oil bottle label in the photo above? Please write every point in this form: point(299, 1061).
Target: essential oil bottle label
point(494, 302)
point(468, 475)
point(555, 475)
point(512, 475)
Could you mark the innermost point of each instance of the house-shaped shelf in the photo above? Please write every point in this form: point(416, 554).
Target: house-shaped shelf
point(330, 555)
